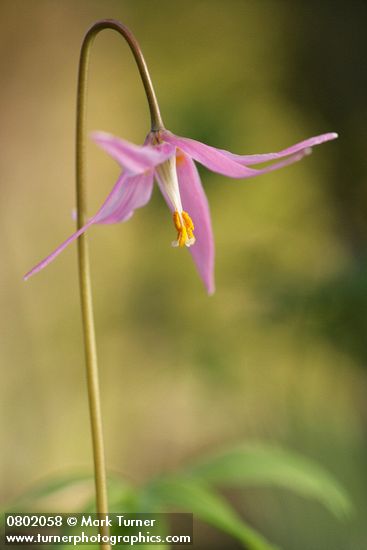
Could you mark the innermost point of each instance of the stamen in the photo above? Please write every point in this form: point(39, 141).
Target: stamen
point(177, 220)
point(185, 229)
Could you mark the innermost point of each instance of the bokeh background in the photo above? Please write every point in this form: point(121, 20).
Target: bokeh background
point(279, 352)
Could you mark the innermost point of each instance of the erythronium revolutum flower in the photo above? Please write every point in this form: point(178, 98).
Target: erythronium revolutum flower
point(169, 159)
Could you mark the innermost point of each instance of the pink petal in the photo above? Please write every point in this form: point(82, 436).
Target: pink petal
point(57, 251)
point(127, 194)
point(194, 201)
point(134, 158)
point(231, 165)
point(265, 157)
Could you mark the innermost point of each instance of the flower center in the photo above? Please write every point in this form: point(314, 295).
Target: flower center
point(185, 229)
point(167, 178)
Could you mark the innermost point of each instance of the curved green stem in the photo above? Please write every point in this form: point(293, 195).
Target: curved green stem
point(83, 256)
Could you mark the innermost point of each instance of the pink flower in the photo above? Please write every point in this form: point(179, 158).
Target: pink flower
point(169, 159)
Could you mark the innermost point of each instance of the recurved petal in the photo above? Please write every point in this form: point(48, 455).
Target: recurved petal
point(298, 147)
point(57, 251)
point(229, 164)
point(127, 194)
point(135, 159)
point(194, 201)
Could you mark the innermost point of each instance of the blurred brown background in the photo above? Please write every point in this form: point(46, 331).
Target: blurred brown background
point(279, 352)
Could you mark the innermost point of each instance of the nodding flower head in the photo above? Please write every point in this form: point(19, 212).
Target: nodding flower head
point(169, 159)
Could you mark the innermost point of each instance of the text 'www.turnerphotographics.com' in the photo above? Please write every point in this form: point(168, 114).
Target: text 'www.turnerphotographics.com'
point(87, 529)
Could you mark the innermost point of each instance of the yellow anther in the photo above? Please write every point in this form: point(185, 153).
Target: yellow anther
point(182, 237)
point(177, 221)
point(188, 221)
point(189, 227)
point(185, 229)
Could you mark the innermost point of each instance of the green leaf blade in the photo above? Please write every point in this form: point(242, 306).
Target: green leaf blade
point(193, 496)
point(266, 465)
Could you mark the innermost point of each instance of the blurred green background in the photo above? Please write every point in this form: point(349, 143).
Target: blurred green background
point(279, 352)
